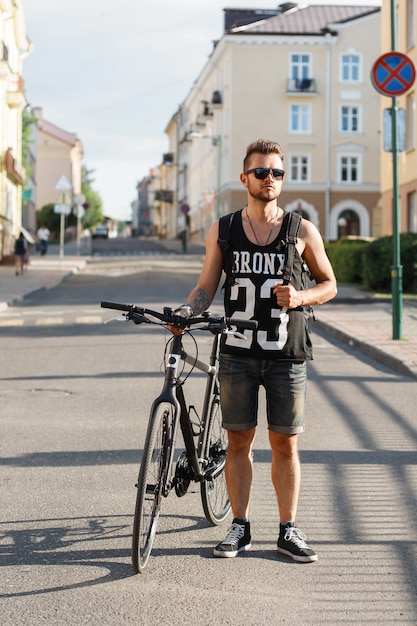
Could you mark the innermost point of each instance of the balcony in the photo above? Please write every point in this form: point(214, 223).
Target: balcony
point(15, 170)
point(301, 86)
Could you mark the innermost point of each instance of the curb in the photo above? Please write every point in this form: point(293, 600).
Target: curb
point(70, 272)
point(386, 359)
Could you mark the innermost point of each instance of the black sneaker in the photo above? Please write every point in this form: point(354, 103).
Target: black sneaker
point(292, 542)
point(237, 540)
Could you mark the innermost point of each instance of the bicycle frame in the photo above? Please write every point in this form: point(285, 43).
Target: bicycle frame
point(172, 393)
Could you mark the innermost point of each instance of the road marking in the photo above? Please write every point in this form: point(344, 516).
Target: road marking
point(11, 322)
point(89, 319)
point(49, 321)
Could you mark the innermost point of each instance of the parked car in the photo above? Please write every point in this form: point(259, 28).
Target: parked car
point(100, 232)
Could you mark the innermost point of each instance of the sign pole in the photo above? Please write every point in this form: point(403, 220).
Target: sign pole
point(396, 268)
point(393, 74)
point(61, 235)
point(63, 185)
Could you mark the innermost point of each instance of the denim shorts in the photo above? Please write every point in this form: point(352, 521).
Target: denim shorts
point(285, 385)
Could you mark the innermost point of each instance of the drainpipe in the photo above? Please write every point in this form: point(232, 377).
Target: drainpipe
point(328, 38)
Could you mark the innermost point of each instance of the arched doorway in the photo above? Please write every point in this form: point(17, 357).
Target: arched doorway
point(349, 217)
point(348, 224)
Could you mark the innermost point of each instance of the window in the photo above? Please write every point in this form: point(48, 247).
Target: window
point(410, 109)
point(299, 168)
point(300, 118)
point(412, 212)
point(349, 169)
point(410, 34)
point(350, 68)
point(300, 66)
point(349, 119)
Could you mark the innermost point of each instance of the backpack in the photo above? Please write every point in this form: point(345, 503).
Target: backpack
point(20, 246)
point(225, 222)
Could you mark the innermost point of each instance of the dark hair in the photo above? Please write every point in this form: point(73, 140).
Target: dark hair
point(263, 146)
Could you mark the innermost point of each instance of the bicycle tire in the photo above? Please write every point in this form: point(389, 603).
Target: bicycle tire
point(214, 495)
point(150, 483)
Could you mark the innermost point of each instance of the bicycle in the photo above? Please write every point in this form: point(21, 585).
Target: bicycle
point(204, 457)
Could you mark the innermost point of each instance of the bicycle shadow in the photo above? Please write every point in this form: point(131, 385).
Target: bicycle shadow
point(63, 542)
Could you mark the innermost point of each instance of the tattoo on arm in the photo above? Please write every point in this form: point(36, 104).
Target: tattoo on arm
point(200, 301)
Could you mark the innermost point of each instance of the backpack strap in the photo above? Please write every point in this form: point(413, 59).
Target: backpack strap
point(225, 222)
point(293, 227)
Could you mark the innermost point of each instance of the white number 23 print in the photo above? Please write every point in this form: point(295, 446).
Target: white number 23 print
point(247, 314)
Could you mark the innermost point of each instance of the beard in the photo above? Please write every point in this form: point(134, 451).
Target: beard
point(263, 194)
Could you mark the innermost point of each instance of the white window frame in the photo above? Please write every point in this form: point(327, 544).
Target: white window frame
point(350, 115)
point(303, 119)
point(410, 33)
point(412, 211)
point(410, 111)
point(350, 65)
point(299, 162)
point(349, 157)
point(300, 69)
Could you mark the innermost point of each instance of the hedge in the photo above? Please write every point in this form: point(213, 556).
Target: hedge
point(369, 263)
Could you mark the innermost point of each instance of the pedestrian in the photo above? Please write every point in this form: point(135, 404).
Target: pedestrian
point(275, 355)
point(43, 237)
point(20, 250)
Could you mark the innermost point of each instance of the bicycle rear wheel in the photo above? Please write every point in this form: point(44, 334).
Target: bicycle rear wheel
point(150, 483)
point(214, 496)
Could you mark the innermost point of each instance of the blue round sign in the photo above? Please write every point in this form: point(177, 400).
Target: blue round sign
point(393, 74)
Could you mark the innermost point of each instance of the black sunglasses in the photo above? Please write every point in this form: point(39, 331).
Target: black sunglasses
point(262, 172)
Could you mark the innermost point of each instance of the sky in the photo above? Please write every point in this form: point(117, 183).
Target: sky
point(115, 71)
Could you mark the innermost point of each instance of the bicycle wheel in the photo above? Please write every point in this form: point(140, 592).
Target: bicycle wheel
point(150, 483)
point(214, 496)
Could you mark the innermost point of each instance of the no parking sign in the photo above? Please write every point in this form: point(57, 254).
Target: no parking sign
point(393, 74)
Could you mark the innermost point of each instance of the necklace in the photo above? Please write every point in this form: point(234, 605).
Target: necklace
point(253, 230)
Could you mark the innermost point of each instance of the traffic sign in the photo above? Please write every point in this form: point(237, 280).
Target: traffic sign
point(393, 74)
point(63, 184)
point(65, 209)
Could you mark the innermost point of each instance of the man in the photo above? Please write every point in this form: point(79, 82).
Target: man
point(275, 354)
point(43, 237)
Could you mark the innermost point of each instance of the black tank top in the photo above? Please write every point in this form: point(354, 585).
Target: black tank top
point(281, 334)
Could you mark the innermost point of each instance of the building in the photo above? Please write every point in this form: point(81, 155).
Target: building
point(14, 46)
point(58, 153)
point(406, 22)
point(300, 75)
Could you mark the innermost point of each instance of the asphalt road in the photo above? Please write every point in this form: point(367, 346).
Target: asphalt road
point(74, 397)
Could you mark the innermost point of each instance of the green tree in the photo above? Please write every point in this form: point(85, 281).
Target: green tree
point(28, 121)
point(94, 213)
point(52, 220)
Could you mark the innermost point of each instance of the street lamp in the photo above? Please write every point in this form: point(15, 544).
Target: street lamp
point(217, 142)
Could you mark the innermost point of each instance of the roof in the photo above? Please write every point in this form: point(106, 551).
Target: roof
point(305, 20)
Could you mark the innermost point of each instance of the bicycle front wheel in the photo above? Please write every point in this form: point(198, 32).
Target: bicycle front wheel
point(214, 496)
point(150, 483)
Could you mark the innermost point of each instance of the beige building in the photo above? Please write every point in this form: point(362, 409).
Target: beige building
point(406, 18)
point(58, 153)
point(299, 75)
point(14, 46)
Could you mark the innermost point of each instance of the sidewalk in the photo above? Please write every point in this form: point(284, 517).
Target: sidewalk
point(45, 272)
point(355, 317)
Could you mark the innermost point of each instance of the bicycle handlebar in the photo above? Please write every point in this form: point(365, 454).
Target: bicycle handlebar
point(214, 322)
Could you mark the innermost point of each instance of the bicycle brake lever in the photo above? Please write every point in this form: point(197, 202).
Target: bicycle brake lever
point(235, 333)
point(116, 319)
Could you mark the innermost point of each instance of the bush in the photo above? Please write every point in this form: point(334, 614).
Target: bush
point(347, 259)
point(378, 259)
